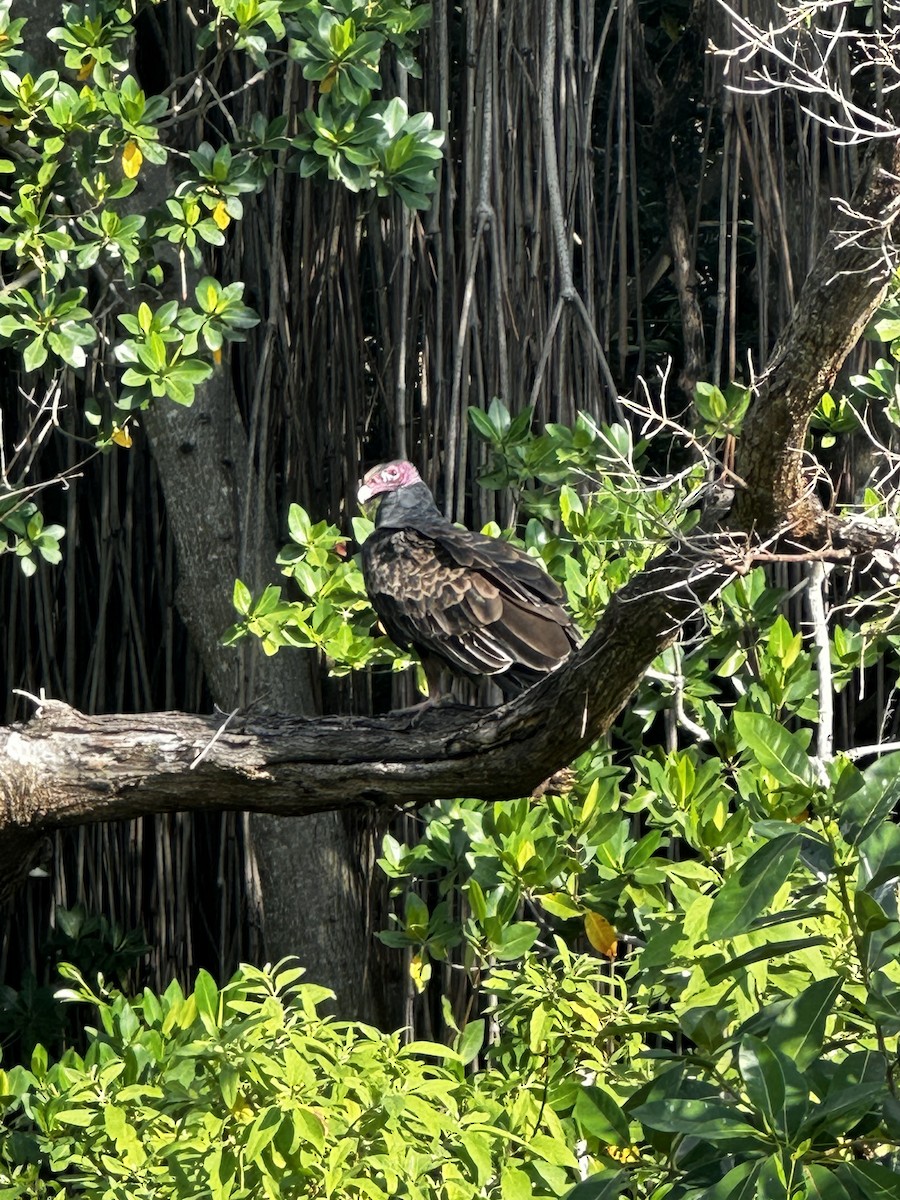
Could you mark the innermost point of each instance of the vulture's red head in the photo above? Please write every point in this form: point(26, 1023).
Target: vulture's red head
point(387, 477)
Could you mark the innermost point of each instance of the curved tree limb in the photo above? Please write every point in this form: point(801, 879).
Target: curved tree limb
point(64, 768)
point(848, 281)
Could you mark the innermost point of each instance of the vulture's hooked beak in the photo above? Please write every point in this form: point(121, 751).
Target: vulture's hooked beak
point(368, 501)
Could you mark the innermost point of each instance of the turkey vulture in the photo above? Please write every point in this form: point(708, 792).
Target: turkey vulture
point(463, 601)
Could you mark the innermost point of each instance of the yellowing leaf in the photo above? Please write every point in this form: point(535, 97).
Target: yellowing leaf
point(122, 438)
point(86, 70)
point(220, 215)
point(327, 83)
point(585, 1013)
point(600, 934)
point(524, 854)
point(419, 972)
point(242, 1110)
point(131, 160)
point(623, 1153)
point(217, 356)
point(536, 1026)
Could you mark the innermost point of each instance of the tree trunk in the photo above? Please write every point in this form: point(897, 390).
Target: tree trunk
point(311, 890)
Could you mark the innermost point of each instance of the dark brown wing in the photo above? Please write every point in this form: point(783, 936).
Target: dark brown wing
point(476, 604)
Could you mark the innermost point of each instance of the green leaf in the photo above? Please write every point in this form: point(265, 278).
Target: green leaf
point(552, 1150)
point(739, 1184)
point(798, 1030)
point(482, 424)
point(605, 1185)
point(515, 940)
point(80, 1117)
point(749, 892)
point(848, 1105)
point(774, 1086)
point(515, 1184)
point(883, 1001)
point(470, 1041)
point(873, 803)
point(715, 974)
point(560, 904)
point(599, 1115)
point(869, 1180)
point(241, 597)
point(206, 994)
point(887, 328)
point(779, 752)
point(477, 902)
point(712, 1119)
point(228, 1085)
point(261, 1132)
point(710, 403)
point(823, 1184)
point(416, 917)
point(879, 856)
point(35, 354)
point(432, 1049)
point(308, 1125)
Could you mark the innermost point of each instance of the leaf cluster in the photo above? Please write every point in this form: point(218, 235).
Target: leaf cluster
point(249, 1091)
point(77, 141)
point(742, 892)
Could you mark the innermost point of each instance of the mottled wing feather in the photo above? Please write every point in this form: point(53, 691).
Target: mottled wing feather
point(476, 603)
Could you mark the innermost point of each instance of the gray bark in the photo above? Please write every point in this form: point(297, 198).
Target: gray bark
point(848, 281)
point(310, 886)
point(64, 768)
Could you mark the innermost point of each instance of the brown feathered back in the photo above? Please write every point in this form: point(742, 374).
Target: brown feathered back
point(462, 600)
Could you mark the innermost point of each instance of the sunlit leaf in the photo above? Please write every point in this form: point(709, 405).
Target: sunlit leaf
point(419, 972)
point(600, 934)
point(752, 888)
point(132, 159)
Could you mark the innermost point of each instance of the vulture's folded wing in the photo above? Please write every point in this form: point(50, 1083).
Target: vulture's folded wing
point(476, 603)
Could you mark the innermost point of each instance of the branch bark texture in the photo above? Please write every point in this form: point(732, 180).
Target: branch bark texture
point(848, 281)
point(66, 768)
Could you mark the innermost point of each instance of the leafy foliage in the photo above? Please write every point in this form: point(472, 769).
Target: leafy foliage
point(79, 141)
point(741, 892)
point(248, 1091)
point(30, 1013)
point(592, 519)
point(733, 1028)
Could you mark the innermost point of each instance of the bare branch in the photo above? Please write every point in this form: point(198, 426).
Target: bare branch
point(796, 57)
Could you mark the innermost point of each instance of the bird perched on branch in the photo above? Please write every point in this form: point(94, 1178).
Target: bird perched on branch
point(463, 601)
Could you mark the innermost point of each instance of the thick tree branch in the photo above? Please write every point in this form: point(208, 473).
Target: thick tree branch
point(847, 283)
point(65, 768)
